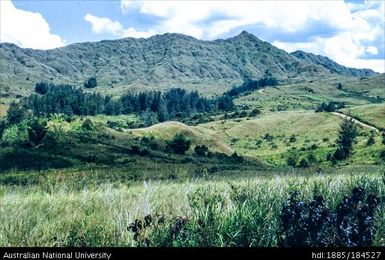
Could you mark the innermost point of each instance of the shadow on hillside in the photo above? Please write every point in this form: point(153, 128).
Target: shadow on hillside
point(26, 159)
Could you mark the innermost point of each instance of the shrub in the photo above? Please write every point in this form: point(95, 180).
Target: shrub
point(268, 137)
point(88, 125)
point(293, 138)
point(179, 144)
point(201, 150)
point(15, 134)
point(304, 163)
point(371, 139)
point(90, 83)
point(254, 112)
point(16, 113)
point(292, 159)
point(382, 155)
point(37, 131)
point(42, 88)
point(313, 224)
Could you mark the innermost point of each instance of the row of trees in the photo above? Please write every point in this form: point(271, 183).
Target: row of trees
point(175, 103)
point(251, 85)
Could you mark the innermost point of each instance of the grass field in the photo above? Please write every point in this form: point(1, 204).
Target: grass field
point(99, 214)
point(371, 114)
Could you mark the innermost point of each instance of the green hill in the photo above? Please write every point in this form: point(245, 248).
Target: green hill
point(158, 62)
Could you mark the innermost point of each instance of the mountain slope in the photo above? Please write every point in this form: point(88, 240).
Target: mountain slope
point(158, 62)
point(332, 66)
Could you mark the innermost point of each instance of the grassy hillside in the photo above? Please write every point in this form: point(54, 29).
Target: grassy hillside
point(309, 94)
point(370, 114)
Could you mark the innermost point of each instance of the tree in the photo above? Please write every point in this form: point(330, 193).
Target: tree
point(37, 131)
point(179, 144)
point(90, 83)
point(346, 136)
point(16, 113)
point(42, 88)
point(371, 139)
point(149, 118)
point(201, 150)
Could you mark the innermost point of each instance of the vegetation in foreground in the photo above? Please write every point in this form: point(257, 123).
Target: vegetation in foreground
point(244, 211)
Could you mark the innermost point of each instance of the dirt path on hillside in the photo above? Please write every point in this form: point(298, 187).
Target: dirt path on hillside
point(356, 121)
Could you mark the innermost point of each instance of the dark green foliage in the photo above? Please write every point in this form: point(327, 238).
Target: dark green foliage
point(292, 159)
point(149, 118)
point(201, 150)
point(371, 139)
point(339, 86)
point(16, 113)
point(88, 125)
point(383, 138)
point(43, 87)
point(293, 138)
point(154, 106)
point(37, 131)
point(312, 159)
point(91, 83)
point(329, 107)
point(250, 85)
point(382, 155)
point(346, 136)
point(225, 103)
point(3, 126)
point(179, 144)
point(254, 112)
point(236, 158)
point(268, 137)
point(313, 224)
point(304, 163)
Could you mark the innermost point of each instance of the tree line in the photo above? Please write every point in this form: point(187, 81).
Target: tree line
point(172, 104)
point(251, 85)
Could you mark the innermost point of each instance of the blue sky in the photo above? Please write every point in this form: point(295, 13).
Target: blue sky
point(350, 32)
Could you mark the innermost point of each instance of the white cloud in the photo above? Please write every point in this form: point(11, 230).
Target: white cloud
point(26, 29)
point(372, 50)
point(104, 25)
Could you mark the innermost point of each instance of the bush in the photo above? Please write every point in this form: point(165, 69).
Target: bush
point(179, 144)
point(293, 138)
point(15, 135)
point(304, 163)
point(88, 125)
point(201, 150)
point(268, 137)
point(42, 88)
point(313, 224)
point(382, 155)
point(90, 83)
point(16, 113)
point(292, 159)
point(371, 139)
point(255, 112)
point(37, 131)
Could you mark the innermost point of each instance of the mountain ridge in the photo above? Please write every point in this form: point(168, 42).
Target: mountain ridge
point(159, 62)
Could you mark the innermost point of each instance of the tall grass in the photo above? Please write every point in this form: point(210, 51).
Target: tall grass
point(218, 212)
